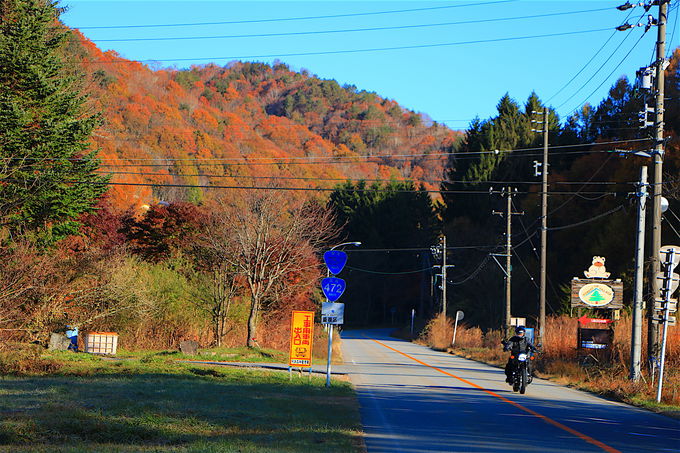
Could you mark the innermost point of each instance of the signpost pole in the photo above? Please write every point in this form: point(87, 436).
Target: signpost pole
point(413, 315)
point(459, 316)
point(330, 350)
point(670, 257)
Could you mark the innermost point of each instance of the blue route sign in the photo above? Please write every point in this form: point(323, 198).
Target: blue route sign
point(333, 288)
point(335, 261)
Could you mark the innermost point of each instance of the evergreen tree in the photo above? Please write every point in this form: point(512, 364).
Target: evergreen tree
point(395, 215)
point(48, 168)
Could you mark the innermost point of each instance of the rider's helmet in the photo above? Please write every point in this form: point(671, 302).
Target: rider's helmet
point(520, 330)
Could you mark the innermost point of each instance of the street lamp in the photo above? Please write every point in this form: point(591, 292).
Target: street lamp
point(355, 243)
point(330, 326)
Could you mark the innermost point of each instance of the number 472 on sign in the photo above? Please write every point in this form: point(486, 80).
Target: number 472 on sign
point(333, 288)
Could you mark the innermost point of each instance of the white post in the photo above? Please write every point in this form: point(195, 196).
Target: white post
point(330, 352)
point(413, 315)
point(455, 327)
point(638, 301)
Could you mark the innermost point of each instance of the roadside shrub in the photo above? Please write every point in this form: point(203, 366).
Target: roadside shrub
point(560, 337)
point(469, 337)
point(18, 359)
point(438, 332)
point(492, 339)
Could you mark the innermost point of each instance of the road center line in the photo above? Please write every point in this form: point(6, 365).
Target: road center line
point(549, 420)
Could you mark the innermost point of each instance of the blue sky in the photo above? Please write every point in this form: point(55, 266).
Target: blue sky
point(435, 74)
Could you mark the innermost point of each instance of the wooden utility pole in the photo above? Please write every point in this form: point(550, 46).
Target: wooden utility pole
point(508, 192)
point(653, 332)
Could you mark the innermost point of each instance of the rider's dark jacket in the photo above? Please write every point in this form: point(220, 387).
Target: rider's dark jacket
point(518, 344)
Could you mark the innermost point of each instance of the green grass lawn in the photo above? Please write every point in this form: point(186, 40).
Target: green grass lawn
point(214, 354)
point(153, 403)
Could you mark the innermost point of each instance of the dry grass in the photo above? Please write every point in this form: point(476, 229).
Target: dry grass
point(22, 359)
point(438, 333)
point(608, 375)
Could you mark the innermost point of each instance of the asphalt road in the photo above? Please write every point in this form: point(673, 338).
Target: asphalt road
point(414, 399)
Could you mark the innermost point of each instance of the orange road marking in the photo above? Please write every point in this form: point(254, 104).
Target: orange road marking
point(549, 420)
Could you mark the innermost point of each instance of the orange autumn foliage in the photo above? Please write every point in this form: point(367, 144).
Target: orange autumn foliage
point(213, 125)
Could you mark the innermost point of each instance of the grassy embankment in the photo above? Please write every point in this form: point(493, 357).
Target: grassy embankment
point(65, 402)
point(560, 360)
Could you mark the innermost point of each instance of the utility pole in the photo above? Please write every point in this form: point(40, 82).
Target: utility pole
point(444, 300)
point(638, 301)
point(544, 223)
point(508, 193)
point(653, 332)
point(508, 260)
point(436, 251)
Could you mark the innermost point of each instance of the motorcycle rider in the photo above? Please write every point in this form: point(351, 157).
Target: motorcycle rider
point(516, 345)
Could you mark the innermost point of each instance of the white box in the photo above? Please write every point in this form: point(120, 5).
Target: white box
point(101, 342)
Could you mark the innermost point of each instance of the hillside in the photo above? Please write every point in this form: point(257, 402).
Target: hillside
point(247, 124)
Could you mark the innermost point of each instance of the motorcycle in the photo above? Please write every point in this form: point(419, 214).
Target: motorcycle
point(521, 370)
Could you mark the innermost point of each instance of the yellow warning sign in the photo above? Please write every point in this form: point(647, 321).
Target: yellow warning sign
point(301, 335)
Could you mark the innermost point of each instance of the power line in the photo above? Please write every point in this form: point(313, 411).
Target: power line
point(417, 249)
point(302, 189)
point(305, 178)
point(286, 19)
point(588, 63)
point(389, 273)
point(597, 71)
point(334, 161)
point(344, 30)
point(583, 222)
point(612, 72)
point(595, 173)
point(473, 274)
point(672, 227)
point(349, 51)
point(453, 153)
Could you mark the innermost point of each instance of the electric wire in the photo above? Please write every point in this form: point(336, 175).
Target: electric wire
point(345, 30)
point(350, 51)
point(533, 248)
point(583, 222)
point(356, 180)
point(455, 154)
point(673, 213)
point(527, 271)
point(672, 227)
point(597, 71)
point(287, 19)
point(612, 72)
point(417, 249)
point(283, 188)
point(368, 271)
point(669, 52)
point(474, 273)
point(588, 62)
point(582, 187)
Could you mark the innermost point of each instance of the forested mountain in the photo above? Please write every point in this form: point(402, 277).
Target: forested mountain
point(224, 126)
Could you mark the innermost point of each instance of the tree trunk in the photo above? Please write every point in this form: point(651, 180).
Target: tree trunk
point(252, 322)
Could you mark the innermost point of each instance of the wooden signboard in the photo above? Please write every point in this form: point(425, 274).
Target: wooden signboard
point(597, 293)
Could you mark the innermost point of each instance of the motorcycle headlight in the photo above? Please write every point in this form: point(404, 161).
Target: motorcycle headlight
point(522, 357)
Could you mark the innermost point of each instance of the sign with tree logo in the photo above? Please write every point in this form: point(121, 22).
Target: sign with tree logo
point(591, 293)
